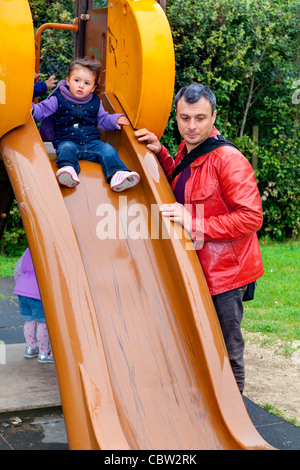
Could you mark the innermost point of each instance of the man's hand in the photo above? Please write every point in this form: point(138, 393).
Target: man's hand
point(153, 144)
point(177, 213)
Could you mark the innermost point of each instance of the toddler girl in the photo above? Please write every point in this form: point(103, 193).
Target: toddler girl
point(31, 310)
point(76, 114)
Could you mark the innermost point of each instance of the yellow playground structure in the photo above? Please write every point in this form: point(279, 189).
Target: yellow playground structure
point(138, 351)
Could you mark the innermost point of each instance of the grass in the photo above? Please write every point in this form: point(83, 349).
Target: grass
point(7, 265)
point(275, 310)
point(275, 411)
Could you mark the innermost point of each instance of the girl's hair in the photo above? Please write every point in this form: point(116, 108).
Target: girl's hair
point(91, 65)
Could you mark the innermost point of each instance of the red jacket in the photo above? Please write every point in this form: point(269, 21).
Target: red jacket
point(223, 182)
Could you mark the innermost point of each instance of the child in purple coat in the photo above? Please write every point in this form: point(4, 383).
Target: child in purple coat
point(76, 113)
point(31, 310)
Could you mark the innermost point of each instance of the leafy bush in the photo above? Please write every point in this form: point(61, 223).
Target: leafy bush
point(278, 180)
point(13, 242)
point(243, 49)
point(57, 46)
point(246, 52)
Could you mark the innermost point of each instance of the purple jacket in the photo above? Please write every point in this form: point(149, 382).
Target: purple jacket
point(26, 283)
point(44, 111)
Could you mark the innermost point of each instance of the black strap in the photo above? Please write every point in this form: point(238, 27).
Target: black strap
point(205, 147)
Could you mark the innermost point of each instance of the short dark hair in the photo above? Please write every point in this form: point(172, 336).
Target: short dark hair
point(194, 92)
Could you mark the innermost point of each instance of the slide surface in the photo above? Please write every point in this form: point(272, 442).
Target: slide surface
point(140, 358)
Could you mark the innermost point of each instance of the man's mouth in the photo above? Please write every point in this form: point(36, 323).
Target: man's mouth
point(192, 136)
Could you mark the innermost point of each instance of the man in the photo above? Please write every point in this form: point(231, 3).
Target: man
point(222, 181)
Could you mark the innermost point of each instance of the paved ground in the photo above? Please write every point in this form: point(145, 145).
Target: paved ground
point(31, 417)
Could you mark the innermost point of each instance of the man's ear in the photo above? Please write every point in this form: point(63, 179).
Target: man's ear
point(214, 116)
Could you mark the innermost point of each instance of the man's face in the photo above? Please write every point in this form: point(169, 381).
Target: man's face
point(195, 121)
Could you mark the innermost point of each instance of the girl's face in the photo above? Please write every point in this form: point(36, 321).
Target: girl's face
point(81, 82)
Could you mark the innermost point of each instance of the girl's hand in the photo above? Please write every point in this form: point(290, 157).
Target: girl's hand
point(122, 121)
point(50, 82)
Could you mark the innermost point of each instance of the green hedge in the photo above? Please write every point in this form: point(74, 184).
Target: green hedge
point(246, 52)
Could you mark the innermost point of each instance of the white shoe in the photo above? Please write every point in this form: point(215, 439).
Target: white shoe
point(122, 180)
point(67, 176)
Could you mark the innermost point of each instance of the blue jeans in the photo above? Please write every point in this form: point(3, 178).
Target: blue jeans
point(31, 309)
point(69, 153)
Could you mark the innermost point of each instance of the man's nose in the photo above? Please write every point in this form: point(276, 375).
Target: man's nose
point(192, 124)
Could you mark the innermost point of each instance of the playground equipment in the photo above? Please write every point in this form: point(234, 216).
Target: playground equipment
point(139, 354)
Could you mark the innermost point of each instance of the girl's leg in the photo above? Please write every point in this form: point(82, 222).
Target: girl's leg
point(67, 162)
point(45, 354)
point(67, 155)
point(30, 334)
point(32, 349)
point(104, 153)
point(42, 338)
point(29, 327)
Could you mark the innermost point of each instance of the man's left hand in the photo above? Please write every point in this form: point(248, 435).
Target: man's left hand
point(177, 213)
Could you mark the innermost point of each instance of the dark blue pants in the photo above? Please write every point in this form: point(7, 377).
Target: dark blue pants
point(229, 308)
point(69, 153)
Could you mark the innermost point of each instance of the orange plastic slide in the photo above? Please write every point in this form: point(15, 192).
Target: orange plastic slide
point(139, 354)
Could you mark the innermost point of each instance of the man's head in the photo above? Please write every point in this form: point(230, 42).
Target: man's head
point(196, 113)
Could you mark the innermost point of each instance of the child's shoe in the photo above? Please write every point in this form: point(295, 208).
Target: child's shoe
point(45, 358)
point(31, 352)
point(122, 180)
point(67, 176)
